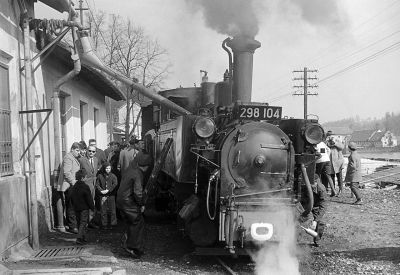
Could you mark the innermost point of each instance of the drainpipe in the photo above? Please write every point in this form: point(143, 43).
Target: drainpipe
point(57, 123)
point(31, 173)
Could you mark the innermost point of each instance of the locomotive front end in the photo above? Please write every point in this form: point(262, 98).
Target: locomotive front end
point(256, 183)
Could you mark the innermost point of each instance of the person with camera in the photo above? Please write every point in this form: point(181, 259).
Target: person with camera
point(337, 160)
point(324, 166)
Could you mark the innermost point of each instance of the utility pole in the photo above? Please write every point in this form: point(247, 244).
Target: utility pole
point(81, 9)
point(305, 86)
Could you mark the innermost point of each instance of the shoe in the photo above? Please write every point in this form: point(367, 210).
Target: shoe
point(358, 202)
point(93, 226)
point(333, 195)
point(131, 253)
point(72, 230)
point(138, 252)
point(316, 242)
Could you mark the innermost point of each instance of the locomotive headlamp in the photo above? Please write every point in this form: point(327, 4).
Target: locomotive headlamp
point(204, 127)
point(314, 133)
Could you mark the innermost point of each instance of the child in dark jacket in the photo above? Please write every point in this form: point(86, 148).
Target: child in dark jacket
point(106, 183)
point(82, 202)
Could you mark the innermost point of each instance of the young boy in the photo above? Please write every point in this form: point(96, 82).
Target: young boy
point(106, 183)
point(82, 202)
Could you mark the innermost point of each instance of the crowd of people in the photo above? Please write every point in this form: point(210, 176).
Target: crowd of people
point(329, 166)
point(94, 185)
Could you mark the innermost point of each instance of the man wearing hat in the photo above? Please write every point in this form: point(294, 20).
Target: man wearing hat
point(130, 203)
point(353, 174)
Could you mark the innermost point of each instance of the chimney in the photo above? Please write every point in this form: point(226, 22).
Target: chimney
point(243, 48)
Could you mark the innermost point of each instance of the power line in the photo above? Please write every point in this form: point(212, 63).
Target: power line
point(360, 50)
point(326, 50)
point(368, 59)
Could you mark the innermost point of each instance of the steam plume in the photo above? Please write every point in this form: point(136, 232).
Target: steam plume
point(231, 17)
point(325, 13)
point(281, 258)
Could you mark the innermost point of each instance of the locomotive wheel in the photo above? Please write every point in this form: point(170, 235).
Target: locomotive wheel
point(202, 231)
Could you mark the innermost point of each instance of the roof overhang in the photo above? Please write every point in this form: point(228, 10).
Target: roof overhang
point(97, 79)
point(59, 5)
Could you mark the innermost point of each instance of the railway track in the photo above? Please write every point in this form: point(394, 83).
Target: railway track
point(225, 266)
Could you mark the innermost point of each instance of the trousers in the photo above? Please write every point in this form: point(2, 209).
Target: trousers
point(69, 209)
point(323, 169)
point(83, 220)
point(354, 187)
point(339, 178)
point(108, 213)
point(135, 226)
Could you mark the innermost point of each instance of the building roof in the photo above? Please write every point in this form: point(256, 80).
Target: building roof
point(97, 79)
point(362, 135)
point(59, 5)
point(377, 136)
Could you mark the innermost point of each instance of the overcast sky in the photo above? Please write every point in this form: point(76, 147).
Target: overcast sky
point(355, 45)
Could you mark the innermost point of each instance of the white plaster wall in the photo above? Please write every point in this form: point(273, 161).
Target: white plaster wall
point(78, 90)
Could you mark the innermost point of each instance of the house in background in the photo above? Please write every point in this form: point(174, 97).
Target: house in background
point(120, 118)
point(374, 139)
point(83, 116)
point(389, 139)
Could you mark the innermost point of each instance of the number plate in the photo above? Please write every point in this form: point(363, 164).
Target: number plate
point(256, 112)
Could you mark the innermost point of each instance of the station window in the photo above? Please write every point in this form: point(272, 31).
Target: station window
point(6, 160)
point(83, 112)
point(95, 121)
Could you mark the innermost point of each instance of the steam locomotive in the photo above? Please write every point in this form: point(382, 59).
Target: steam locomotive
point(233, 164)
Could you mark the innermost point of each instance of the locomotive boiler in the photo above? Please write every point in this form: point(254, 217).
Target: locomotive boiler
point(233, 164)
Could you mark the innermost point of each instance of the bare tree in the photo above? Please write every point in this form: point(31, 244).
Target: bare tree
point(125, 48)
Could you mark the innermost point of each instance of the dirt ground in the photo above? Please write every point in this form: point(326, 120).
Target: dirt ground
point(359, 239)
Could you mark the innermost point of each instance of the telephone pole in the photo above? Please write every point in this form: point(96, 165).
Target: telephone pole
point(305, 86)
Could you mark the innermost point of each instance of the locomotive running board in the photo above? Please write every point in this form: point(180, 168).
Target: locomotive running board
point(222, 251)
point(219, 251)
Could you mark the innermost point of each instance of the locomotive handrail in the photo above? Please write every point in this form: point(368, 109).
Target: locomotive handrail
point(274, 146)
point(200, 156)
point(246, 203)
point(309, 190)
point(261, 193)
point(271, 173)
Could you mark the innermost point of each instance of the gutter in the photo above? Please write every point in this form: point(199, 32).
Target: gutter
point(56, 117)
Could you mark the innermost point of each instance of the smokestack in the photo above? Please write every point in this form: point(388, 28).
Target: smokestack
point(243, 48)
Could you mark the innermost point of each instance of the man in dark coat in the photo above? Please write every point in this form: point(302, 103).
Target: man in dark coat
point(100, 155)
point(91, 165)
point(353, 174)
point(130, 202)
